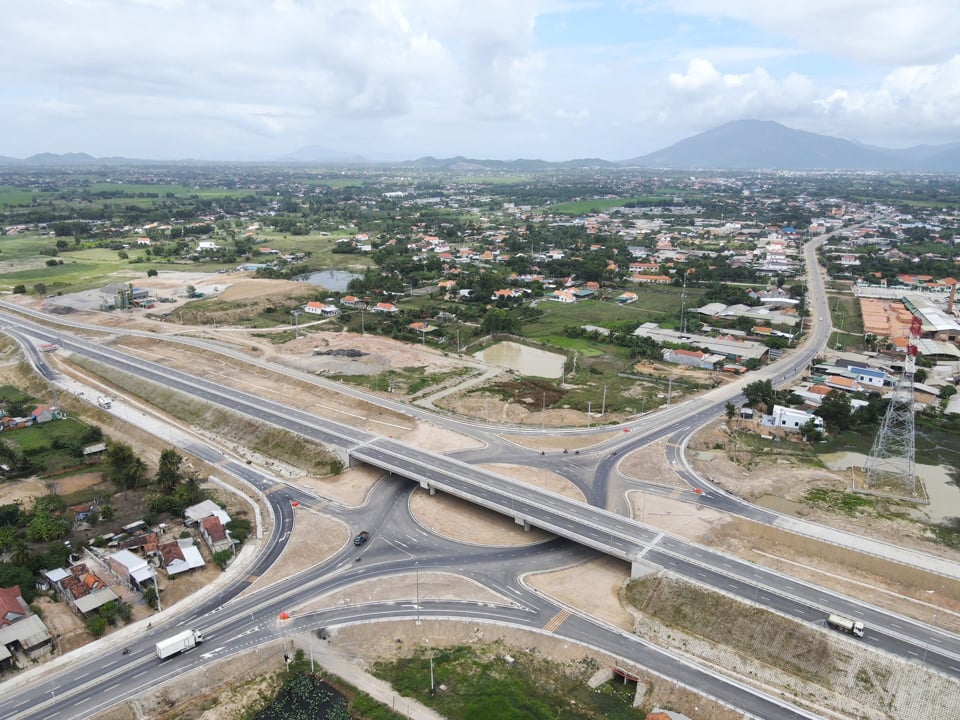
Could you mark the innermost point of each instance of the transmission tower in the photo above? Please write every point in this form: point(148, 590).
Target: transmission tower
point(891, 460)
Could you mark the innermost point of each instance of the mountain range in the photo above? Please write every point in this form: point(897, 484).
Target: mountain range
point(738, 145)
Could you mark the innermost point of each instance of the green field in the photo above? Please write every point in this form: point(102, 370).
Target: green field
point(11, 196)
point(582, 207)
point(180, 191)
point(654, 304)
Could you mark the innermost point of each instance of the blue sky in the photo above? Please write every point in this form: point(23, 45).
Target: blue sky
point(393, 79)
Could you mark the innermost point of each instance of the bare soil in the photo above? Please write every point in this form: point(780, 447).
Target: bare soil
point(315, 536)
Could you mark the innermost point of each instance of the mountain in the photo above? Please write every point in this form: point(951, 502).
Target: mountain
point(462, 164)
point(321, 154)
point(767, 145)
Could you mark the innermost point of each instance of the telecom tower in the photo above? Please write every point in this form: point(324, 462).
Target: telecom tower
point(891, 460)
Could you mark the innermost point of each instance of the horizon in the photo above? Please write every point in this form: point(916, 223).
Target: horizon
point(222, 80)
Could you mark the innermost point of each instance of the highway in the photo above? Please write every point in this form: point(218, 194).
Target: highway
point(590, 526)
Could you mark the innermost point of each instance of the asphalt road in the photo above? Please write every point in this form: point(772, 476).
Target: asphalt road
point(233, 625)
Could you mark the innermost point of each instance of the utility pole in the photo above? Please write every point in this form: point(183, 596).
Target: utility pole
point(296, 318)
point(603, 406)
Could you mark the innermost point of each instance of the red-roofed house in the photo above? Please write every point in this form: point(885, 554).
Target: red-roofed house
point(319, 308)
point(215, 534)
point(12, 606)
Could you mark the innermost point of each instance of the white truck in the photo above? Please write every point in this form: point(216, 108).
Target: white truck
point(105, 402)
point(852, 627)
point(186, 640)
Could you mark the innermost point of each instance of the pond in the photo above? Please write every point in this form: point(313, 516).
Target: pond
point(332, 280)
point(524, 360)
point(944, 497)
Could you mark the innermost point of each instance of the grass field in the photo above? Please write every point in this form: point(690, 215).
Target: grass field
point(846, 318)
point(479, 683)
point(54, 445)
point(11, 196)
point(652, 305)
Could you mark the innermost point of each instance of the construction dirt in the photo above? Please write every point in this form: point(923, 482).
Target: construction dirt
point(316, 536)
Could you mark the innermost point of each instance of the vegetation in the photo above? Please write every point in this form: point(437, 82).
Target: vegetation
point(480, 683)
point(756, 632)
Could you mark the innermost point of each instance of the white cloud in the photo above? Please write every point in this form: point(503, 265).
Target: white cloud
point(332, 59)
point(884, 32)
point(704, 92)
point(915, 102)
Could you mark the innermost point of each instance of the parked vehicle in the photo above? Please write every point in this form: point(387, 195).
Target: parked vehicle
point(104, 402)
point(851, 627)
point(186, 640)
point(361, 537)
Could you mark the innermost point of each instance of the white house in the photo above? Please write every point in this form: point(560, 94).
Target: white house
point(323, 309)
point(791, 419)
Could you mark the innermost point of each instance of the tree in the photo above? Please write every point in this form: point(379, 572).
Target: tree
point(731, 411)
point(835, 410)
point(239, 528)
point(152, 272)
point(810, 432)
point(947, 392)
point(20, 289)
point(11, 575)
point(920, 375)
point(150, 596)
point(40, 288)
point(222, 558)
point(169, 474)
point(96, 625)
point(126, 469)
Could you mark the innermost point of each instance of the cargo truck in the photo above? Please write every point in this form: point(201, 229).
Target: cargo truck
point(186, 640)
point(852, 627)
point(361, 537)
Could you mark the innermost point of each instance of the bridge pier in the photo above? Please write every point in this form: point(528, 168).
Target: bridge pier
point(425, 484)
point(523, 523)
point(640, 568)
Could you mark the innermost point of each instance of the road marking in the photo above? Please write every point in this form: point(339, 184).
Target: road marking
point(140, 673)
point(556, 621)
point(274, 489)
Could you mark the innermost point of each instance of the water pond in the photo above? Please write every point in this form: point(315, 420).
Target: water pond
point(524, 360)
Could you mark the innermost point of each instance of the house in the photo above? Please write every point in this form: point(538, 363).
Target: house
point(791, 419)
point(93, 453)
point(562, 296)
point(385, 308)
point(352, 301)
point(207, 245)
point(179, 556)
point(12, 606)
point(627, 297)
point(322, 309)
point(84, 591)
point(215, 534)
point(30, 635)
point(42, 414)
point(195, 513)
point(81, 512)
point(651, 279)
point(693, 358)
point(130, 569)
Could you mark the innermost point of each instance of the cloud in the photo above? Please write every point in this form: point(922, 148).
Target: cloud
point(704, 92)
point(918, 102)
point(882, 32)
point(348, 59)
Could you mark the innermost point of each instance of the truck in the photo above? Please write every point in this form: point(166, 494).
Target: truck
point(361, 537)
point(851, 627)
point(181, 642)
point(104, 402)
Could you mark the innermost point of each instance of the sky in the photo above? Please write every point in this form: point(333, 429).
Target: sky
point(492, 79)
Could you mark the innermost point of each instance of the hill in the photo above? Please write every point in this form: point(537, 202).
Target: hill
point(761, 145)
